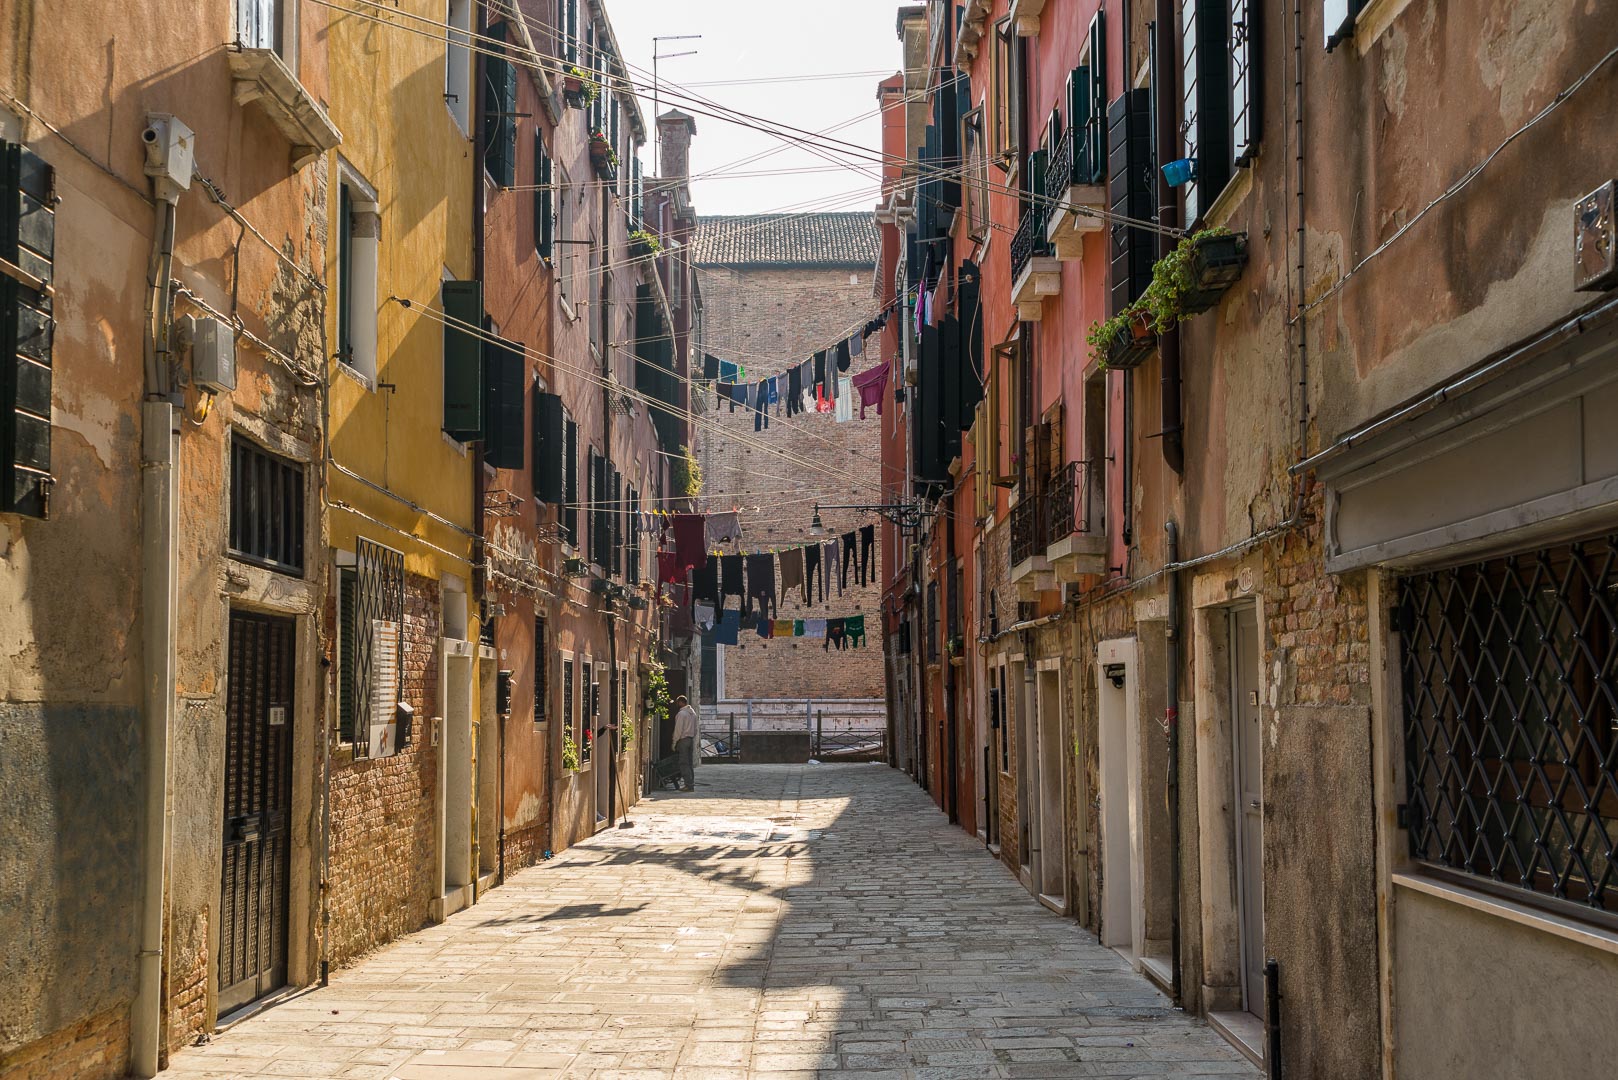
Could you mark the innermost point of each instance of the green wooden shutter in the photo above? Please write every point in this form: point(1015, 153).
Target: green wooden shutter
point(1095, 136)
point(1129, 194)
point(347, 652)
point(1205, 106)
point(543, 223)
point(503, 403)
point(570, 476)
point(590, 547)
point(549, 448)
point(463, 360)
point(541, 671)
point(499, 108)
point(27, 324)
point(1246, 85)
point(616, 520)
point(572, 31)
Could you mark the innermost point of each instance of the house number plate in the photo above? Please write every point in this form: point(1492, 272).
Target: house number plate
point(278, 715)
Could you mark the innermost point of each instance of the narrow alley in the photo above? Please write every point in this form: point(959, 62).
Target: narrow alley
point(785, 920)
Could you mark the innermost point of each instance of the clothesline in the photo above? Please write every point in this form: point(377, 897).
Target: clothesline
point(819, 569)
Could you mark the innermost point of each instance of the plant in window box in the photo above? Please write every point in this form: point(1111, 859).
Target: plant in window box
point(1190, 279)
point(603, 158)
point(1125, 340)
point(956, 645)
point(578, 89)
point(626, 732)
point(643, 244)
point(570, 752)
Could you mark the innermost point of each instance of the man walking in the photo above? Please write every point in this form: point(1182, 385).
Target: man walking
point(685, 741)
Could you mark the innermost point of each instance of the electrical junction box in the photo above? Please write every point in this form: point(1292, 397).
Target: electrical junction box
point(213, 356)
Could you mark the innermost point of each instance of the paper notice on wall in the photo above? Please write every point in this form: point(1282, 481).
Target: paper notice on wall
point(384, 687)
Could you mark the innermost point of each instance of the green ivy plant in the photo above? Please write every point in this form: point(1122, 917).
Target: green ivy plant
point(570, 752)
point(687, 474)
point(658, 701)
point(647, 240)
point(1162, 302)
point(626, 732)
point(588, 88)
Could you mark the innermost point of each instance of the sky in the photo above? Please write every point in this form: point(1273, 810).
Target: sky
point(744, 41)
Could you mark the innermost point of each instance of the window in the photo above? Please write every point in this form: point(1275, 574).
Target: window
point(570, 712)
point(569, 517)
point(499, 109)
point(505, 372)
point(27, 241)
point(976, 151)
point(1220, 110)
point(458, 63)
point(591, 688)
point(268, 24)
point(266, 508)
point(632, 509)
point(1003, 139)
point(1131, 193)
point(564, 240)
point(1509, 673)
point(615, 520)
point(567, 30)
point(1339, 16)
point(370, 620)
point(997, 716)
point(932, 621)
point(1094, 480)
point(359, 228)
point(544, 200)
point(542, 681)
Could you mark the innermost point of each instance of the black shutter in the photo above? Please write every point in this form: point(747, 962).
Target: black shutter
point(1095, 132)
point(572, 31)
point(550, 448)
point(347, 652)
point(27, 240)
point(544, 222)
point(1205, 106)
point(591, 512)
point(1129, 194)
point(503, 403)
point(949, 396)
point(499, 108)
point(616, 521)
point(971, 344)
point(930, 471)
point(463, 360)
point(1246, 79)
point(570, 477)
point(542, 682)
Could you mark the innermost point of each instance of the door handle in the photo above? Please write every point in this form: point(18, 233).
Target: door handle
point(244, 830)
point(1252, 804)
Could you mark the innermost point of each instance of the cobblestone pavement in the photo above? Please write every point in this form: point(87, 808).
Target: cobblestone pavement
point(781, 922)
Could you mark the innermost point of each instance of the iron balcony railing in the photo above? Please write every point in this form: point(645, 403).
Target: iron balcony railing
point(1059, 173)
point(1070, 500)
point(1029, 239)
point(1028, 528)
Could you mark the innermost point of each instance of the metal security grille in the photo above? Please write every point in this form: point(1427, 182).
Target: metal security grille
point(378, 617)
point(257, 808)
point(266, 508)
point(1510, 705)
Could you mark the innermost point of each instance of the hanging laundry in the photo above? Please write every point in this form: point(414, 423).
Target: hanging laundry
point(761, 406)
point(834, 634)
point(792, 570)
point(728, 630)
point(848, 558)
point(761, 584)
point(820, 368)
point(703, 616)
point(822, 402)
point(690, 548)
point(830, 557)
point(854, 627)
point(811, 564)
point(814, 628)
point(795, 391)
point(775, 393)
point(843, 359)
point(765, 628)
point(845, 400)
point(785, 627)
point(856, 345)
point(705, 582)
point(730, 579)
point(797, 628)
point(669, 570)
point(710, 367)
point(871, 385)
point(867, 540)
point(723, 528)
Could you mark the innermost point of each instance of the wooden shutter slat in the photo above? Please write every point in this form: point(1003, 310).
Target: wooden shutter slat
point(463, 360)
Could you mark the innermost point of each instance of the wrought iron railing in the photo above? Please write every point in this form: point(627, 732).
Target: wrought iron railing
point(851, 744)
point(1028, 528)
point(1511, 721)
point(1029, 239)
point(1059, 173)
point(1070, 500)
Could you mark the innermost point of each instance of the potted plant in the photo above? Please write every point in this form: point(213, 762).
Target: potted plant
point(643, 244)
point(1190, 279)
point(603, 157)
point(570, 752)
point(1125, 340)
point(579, 91)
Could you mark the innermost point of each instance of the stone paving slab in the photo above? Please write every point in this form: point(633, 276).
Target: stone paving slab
point(783, 922)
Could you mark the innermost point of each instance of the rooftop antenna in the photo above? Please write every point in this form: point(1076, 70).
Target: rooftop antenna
point(657, 132)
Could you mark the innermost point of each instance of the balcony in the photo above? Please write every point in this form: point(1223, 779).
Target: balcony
point(1025, 16)
point(1076, 540)
point(263, 77)
point(1030, 570)
point(1068, 223)
point(1035, 274)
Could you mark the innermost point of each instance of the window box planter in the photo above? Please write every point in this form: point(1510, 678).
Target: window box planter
point(1216, 263)
point(578, 92)
point(1132, 343)
point(603, 160)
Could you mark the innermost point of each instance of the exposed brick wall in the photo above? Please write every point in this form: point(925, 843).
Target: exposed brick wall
point(383, 855)
point(187, 1005)
point(769, 320)
point(94, 1048)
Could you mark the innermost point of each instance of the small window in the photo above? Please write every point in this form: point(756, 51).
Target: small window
point(500, 109)
point(359, 228)
point(544, 202)
point(564, 238)
point(260, 24)
point(569, 704)
point(370, 620)
point(458, 64)
point(27, 242)
point(590, 690)
point(266, 508)
point(542, 682)
point(570, 480)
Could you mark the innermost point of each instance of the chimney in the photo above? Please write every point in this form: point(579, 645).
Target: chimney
point(674, 130)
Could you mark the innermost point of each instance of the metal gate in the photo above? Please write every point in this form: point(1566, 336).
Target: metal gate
point(257, 811)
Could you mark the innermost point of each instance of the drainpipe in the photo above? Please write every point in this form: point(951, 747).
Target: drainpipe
point(1168, 134)
point(479, 583)
point(1171, 728)
point(160, 456)
point(951, 745)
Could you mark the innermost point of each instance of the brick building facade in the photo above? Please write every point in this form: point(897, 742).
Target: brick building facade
point(775, 290)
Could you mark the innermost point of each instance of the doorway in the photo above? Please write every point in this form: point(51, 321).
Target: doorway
point(1123, 910)
point(1246, 755)
point(486, 764)
point(1050, 865)
point(458, 766)
point(600, 711)
point(256, 866)
point(1027, 809)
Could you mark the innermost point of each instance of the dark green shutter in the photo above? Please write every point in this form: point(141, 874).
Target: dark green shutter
point(345, 274)
point(1129, 194)
point(27, 239)
point(949, 390)
point(503, 403)
point(542, 198)
point(347, 652)
point(1246, 82)
point(1205, 106)
point(549, 447)
point(541, 671)
point(1095, 135)
point(590, 546)
point(971, 345)
point(616, 521)
point(572, 31)
point(570, 476)
point(463, 360)
point(499, 109)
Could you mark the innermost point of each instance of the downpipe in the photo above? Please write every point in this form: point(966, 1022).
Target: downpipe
point(159, 599)
point(1171, 730)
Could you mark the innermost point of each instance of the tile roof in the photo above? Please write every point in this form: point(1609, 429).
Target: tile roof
point(804, 240)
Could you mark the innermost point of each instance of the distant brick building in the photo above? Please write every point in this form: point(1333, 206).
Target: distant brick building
point(777, 288)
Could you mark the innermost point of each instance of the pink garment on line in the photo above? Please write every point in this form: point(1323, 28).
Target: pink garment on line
point(871, 386)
